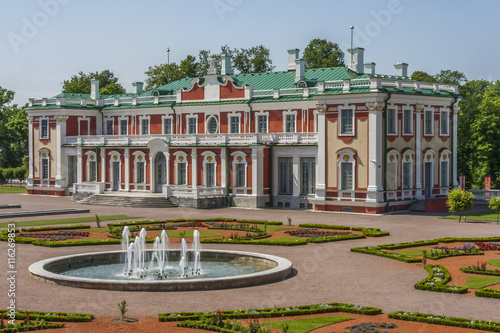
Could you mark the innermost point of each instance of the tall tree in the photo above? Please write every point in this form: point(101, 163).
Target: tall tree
point(422, 76)
point(80, 84)
point(451, 77)
point(13, 131)
point(162, 74)
point(321, 53)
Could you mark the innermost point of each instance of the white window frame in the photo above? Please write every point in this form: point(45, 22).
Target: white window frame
point(353, 120)
point(395, 121)
point(209, 157)
point(120, 119)
point(180, 157)
point(346, 156)
point(41, 121)
point(91, 158)
point(80, 120)
point(230, 117)
point(410, 119)
point(112, 121)
point(139, 157)
point(239, 157)
point(163, 120)
point(287, 114)
point(188, 120)
point(444, 158)
point(446, 118)
point(392, 157)
point(261, 114)
point(311, 176)
point(407, 157)
point(426, 110)
point(148, 119)
point(208, 119)
point(289, 172)
point(115, 156)
point(44, 157)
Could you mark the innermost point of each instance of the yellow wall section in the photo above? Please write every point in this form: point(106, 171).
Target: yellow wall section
point(50, 145)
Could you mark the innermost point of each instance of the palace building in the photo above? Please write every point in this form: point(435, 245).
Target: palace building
point(334, 139)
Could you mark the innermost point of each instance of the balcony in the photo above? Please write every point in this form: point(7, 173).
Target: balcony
point(195, 139)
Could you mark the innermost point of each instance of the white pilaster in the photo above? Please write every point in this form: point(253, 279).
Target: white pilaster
point(194, 168)
point(375, 153)
point(167, 167)
point(295, 171)
point(454, 151)
point(257, 171)
point(418, 151)
point(103, 166)
point(30, 151)
point(79, 165)
point(127, 169)
point(60, 135)
point(223, 171)
point(321, 155)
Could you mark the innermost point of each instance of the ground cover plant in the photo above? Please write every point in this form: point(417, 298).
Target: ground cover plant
point(12, 189)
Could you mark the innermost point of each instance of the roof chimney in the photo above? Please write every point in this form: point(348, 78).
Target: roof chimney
point(293, 54)
point(300, 73)
point(94, 89)
point(370, 68)
point(137, 87)
point(356, 59)
point(226, 64)
point(401, 69)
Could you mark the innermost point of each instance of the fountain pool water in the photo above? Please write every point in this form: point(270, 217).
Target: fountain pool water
point(162, 269)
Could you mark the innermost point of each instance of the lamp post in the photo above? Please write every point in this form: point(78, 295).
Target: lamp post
point(168, 64)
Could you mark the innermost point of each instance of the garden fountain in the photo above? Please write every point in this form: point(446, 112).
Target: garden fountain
point(136, 268)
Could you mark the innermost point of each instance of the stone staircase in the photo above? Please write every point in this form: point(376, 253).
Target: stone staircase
point(144, 201)
point(418, 206)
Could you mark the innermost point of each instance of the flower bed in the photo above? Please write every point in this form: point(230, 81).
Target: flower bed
point(486, 292)
point(437, 281)
point(272, 312)
point(324, 226)
point(82, 226)
point(50, 316)
point(488, 246)
point(314, 232)
point(491, 326)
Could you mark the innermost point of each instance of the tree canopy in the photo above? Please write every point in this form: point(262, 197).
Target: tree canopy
point(13, 131)
point(80, 84)
point(321, 53)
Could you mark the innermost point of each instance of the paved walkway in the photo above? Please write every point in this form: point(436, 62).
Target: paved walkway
point(325, 272)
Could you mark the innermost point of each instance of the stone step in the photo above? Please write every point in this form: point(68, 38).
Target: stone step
point(418, 205)
point(127, 201)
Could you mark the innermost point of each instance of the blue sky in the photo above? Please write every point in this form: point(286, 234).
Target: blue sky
point(44, 42)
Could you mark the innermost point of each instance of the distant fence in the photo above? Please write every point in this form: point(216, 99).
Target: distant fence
point(485, 195)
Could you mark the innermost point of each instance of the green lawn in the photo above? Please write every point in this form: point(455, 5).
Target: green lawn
point(304, 325)
point(481, 216)
point(494, 262)
point(412, 252)
point(12, 189)
point(477, 282)
point(69, 221)
point(189, 234)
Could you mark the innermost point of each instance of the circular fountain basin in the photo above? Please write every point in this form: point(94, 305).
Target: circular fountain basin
point(265, 269)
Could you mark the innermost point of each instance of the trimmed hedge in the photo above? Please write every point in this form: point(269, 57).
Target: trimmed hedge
point(325, 226)
point(368, 232)
point(82, 226)
point(334, 238)
point(50, 316)
point(81, 242)
point(371, 232)
point(291, 242)
point(495, 272)
point(202, 326)
point(376, 251)
point(29, 326)
point(485, 292)
point(435, 283)
point(483, 325)
point(273, 312)
point(216, 219)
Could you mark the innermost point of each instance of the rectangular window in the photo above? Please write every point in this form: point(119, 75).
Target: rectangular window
point(235, 125)
point(240, 175)
point(44, 129)
point(210, 177)
point(191, 125)
point(109, 127)
point(346, 122)
point(123, 127)
point(428, 122)
point(140, 172)
point(444, 122)
point(290, 123)
point(444, 174)
point(92, 171)
point(346, 180)
point(262, 124)
point(391, 121)
point(407, 175)
point(145, 126)
point(307, 175)
point(167, 126)
point(285, 168)
point(181, 174)
point(45, 168)
point(407, 121)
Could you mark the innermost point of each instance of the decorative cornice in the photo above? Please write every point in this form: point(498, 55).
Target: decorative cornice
point(61, 118)
point(375, 106)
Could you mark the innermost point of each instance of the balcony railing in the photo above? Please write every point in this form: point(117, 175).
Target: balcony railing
point(195, 139)
point(192, 193)
point(484, 194)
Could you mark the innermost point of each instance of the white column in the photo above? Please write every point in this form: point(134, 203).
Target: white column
point(79, 165)
point(194, 168)
point(103, 165)
point(321, 155)
point(257, 171)
point(167, 167)
point(295, 172)
point(60, 134)
point(30, 151)
point(418, 151)
point(223, 180)
point(454, 152)
point(375, 153)
point(127, 169)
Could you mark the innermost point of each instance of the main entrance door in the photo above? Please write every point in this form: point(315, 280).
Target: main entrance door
point(116, 176)
point(160, 172)
point(428, 178)
point(72, 170)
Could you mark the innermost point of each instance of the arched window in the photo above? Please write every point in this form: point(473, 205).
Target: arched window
point(346, 169)
point(140, 167)
point(91, 166)
point(212, 125)
point(44, 163)
point(392, 169)
point(209, 169)
point(180, 168)
point(444, 168)
point(239, 169)
point(407, 170)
